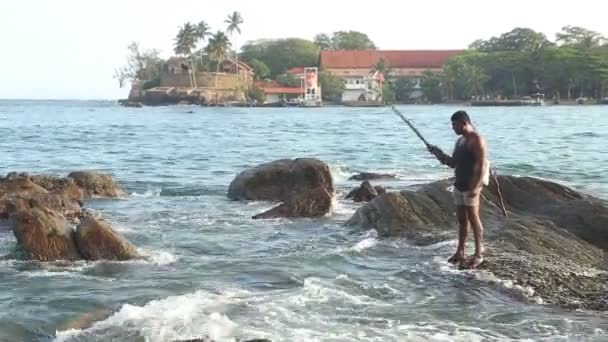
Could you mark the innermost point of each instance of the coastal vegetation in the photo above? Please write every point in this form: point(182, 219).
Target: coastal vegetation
point(514, 64)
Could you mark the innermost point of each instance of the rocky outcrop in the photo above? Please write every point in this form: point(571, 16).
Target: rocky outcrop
point(96, 240)
point(367, 176)
point(365, 192)
point(312, 203)
point(69, 208)
point(304, 186)
point(280, 180)
point(62, 186)
point(44, 235)
point(97, 185)
point(554, 241)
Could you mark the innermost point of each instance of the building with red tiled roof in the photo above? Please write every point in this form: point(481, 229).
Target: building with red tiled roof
point(401, 62)
point(355, 67)
point(275, 92)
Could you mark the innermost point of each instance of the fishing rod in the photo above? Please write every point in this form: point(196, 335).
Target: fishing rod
point(411, 126)
point(492, 170)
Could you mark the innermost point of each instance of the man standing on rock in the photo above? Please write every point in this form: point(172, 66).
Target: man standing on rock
point(469, 163)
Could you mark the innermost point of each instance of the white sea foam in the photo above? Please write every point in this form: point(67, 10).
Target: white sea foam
point(365, 244)
point(150, 192)
point(173, 318)
point(340, 173)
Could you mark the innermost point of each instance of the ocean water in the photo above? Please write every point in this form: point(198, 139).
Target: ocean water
point(213, 271)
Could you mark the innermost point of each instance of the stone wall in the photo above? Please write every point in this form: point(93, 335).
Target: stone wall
point(204, 80)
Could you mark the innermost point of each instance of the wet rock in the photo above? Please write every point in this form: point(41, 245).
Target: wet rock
point(380, 190)
point(85, 320)
point(44, 235)
point(313, 203)
point(280, 180)
point(367, 176)
point(63, 186)
point(69, 208)
point(97, 185)
point(16, 186)
point(554, 241)
point(96, 240)
point(364, 193)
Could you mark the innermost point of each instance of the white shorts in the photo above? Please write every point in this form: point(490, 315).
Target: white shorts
point(462, 198)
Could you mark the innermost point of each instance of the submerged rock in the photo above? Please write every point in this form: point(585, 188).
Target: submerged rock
point(554, 241)
point(96, 240)
point(367, 176)
point(313, 203)
point(280, 180)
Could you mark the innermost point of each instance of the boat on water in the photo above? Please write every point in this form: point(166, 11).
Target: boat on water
point(364, 104)
point(537, 99)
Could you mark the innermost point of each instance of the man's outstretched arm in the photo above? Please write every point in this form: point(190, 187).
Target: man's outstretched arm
point(441, 156)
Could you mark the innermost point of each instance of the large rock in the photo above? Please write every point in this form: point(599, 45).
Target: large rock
point(44, 235)
point(96, 240)
point(97, 185)
point(78, 186)
point(313, 203)
point(69, 208)
point(554, 241)
point(281, 180)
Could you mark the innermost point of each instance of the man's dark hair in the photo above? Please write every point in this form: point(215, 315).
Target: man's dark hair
point(461, 115)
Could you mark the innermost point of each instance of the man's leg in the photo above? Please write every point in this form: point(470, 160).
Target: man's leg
point(473, 216)
point(463, 231)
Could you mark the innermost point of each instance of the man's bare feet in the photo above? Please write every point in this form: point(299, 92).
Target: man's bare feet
point(473, 262)
point(457, 258)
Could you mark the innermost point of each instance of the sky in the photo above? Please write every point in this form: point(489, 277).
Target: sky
point(69, 49)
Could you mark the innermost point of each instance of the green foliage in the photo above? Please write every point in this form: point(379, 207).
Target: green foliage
point(388, 93)
point(403, 88)
point(579, 37)
point(143, 66)
point(256, 93)
point(344, 40)
point(522, 61)
point(260, 69)
point(331, 87)
point(282, 54)
point(288, 80)
point(352, 40)
point(202, 30)
point(463, 78)
point(234, 22)
point(430, 85)
point(186, 39)
point(323, 41)
point(218, 47)
point(518, 39)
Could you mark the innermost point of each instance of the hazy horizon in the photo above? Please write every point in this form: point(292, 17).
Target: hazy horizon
point(69, 49)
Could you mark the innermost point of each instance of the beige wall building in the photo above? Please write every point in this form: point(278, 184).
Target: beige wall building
point(355, 67)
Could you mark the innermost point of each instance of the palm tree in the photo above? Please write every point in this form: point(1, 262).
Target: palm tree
point(234, 21)
point(217, 49)
point(185, 42)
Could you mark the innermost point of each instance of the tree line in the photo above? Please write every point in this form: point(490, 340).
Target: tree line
point(189, 43)
point(514, 64)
